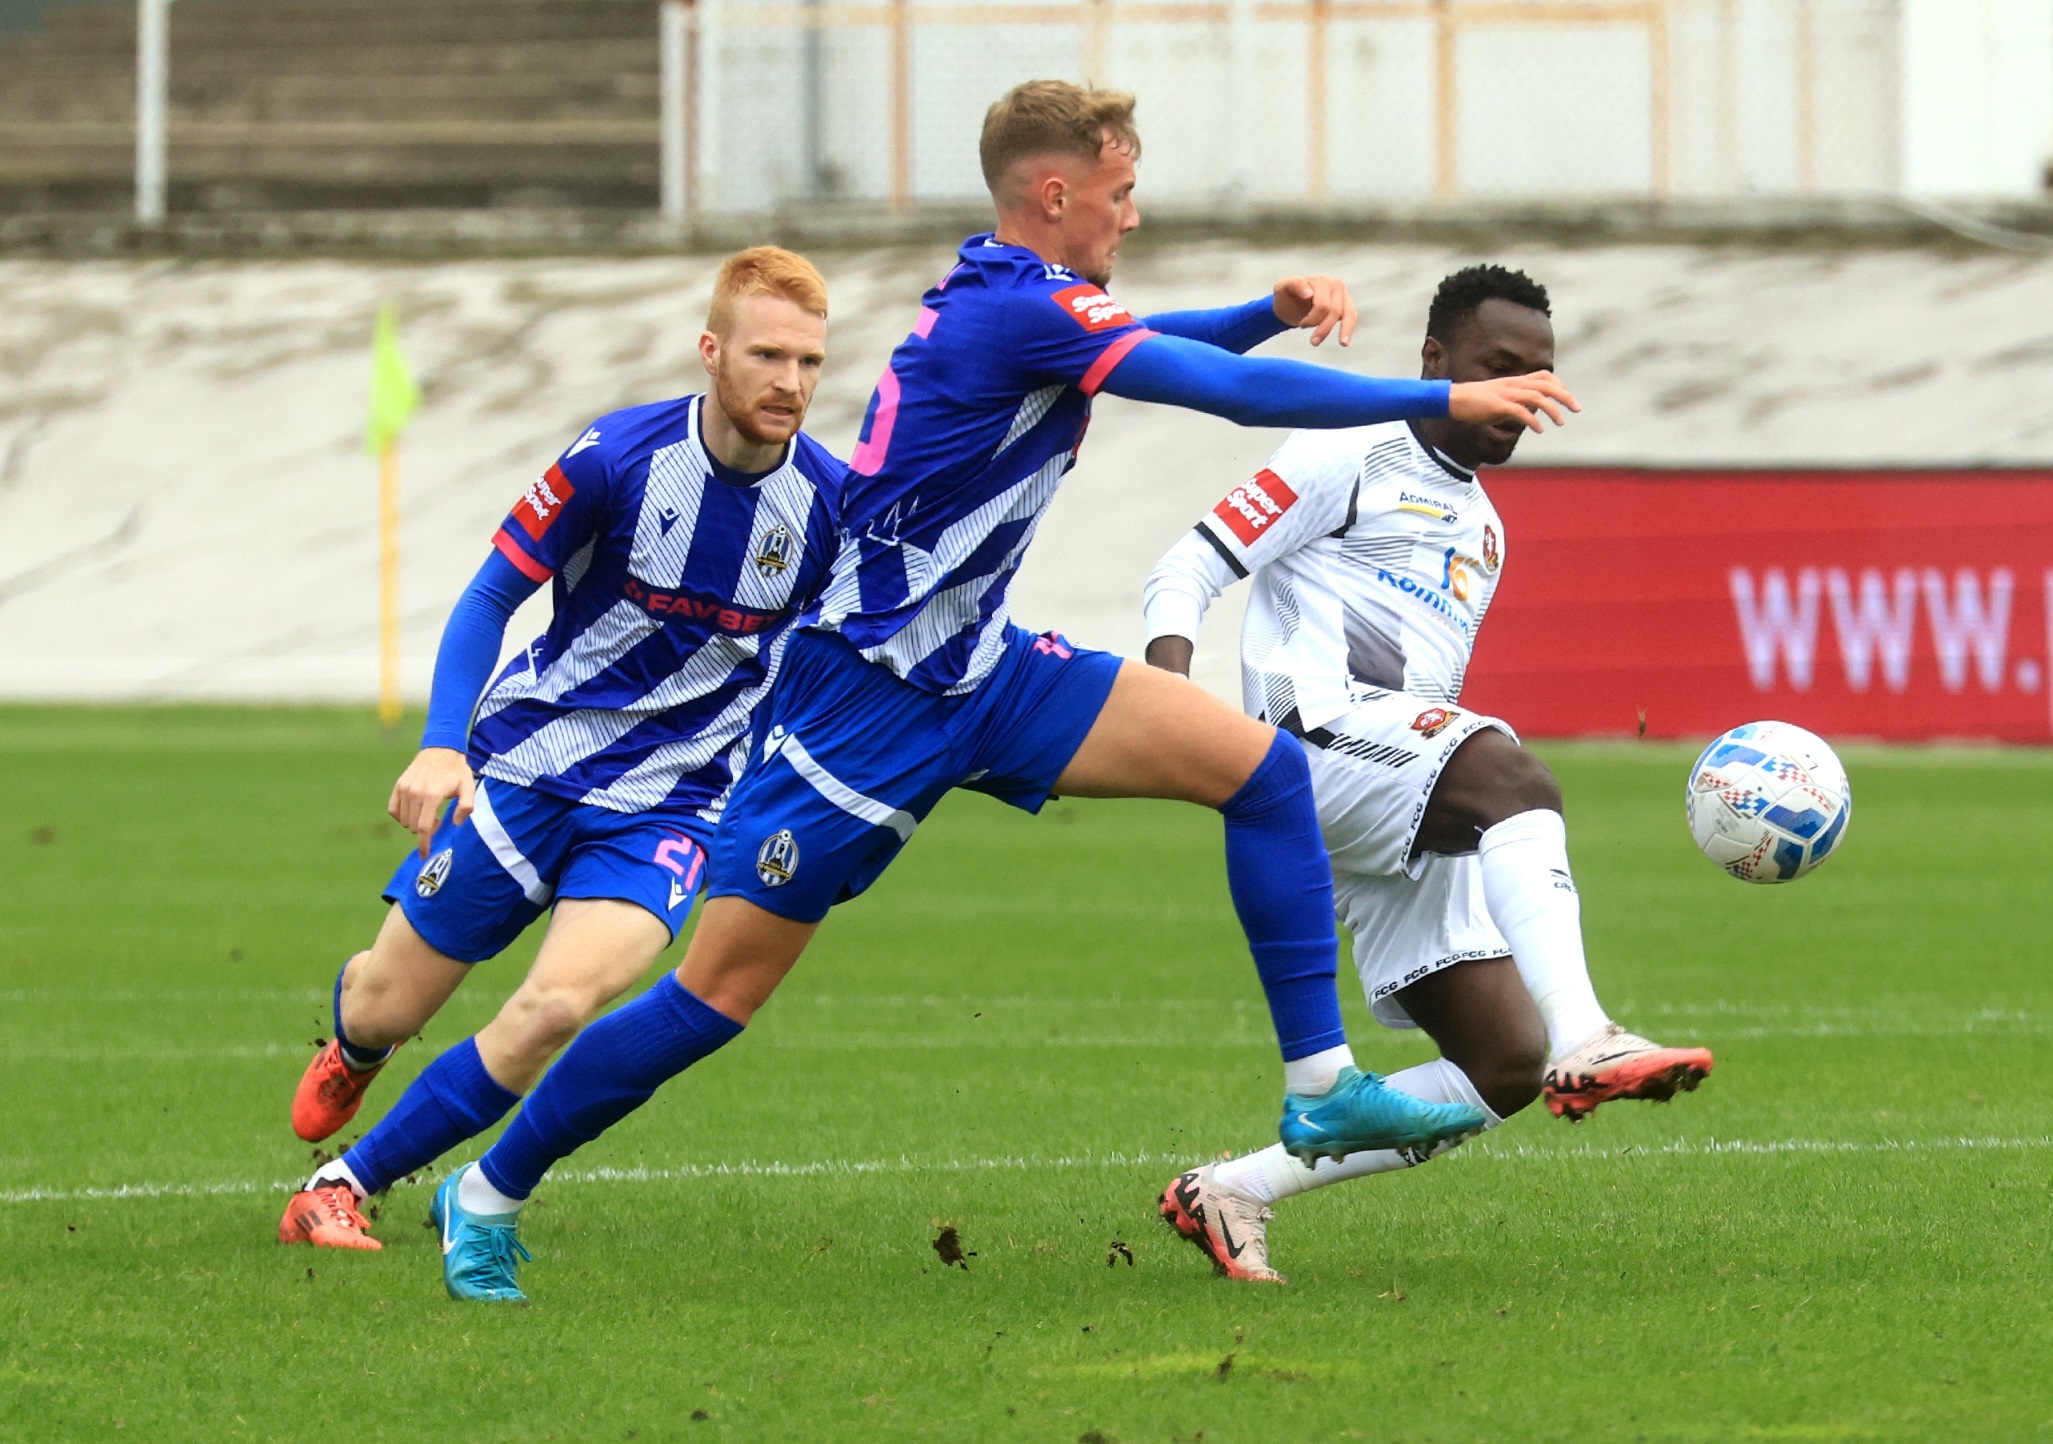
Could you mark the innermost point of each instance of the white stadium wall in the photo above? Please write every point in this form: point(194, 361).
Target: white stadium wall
point(186, 510)
point(1255, 102)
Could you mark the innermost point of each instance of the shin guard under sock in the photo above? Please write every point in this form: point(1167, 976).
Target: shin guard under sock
point(453, 1099)
point(612, 1069)
point(1532, 900)
point(1283, 890)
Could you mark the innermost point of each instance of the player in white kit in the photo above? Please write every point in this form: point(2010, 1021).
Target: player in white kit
point(1374, 553)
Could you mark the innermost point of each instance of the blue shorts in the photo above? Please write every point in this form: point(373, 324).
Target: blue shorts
point(848, 759)
point(520, 850)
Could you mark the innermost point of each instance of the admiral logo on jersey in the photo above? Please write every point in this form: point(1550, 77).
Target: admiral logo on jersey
point(1250, 507)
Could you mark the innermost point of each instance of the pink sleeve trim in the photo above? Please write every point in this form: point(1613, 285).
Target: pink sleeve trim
point(924, 327)
point(1110, 357)
point(868, 459)
point(533, 570)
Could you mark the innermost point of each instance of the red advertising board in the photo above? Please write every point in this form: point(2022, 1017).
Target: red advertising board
point(1895, 604)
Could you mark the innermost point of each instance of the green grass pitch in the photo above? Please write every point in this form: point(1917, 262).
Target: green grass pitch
point(1023, 1031)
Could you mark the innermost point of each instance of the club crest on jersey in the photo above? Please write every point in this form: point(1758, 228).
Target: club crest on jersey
point(774, 555)
point(434, 873)
point(1249, 508)
point(777, 858)
point(543, 502)
point(1091, 308)
point(1491, 558)
point(1433, 721)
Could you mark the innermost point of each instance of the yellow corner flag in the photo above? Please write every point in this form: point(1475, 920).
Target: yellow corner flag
point(395, 396)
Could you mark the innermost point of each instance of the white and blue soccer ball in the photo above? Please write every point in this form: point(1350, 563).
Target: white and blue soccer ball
point(1768, 802)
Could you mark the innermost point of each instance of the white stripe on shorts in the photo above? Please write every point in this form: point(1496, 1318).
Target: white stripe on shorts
point(496, 837)
point(877, 814)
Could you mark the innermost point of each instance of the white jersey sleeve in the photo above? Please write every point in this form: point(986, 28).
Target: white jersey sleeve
point(1307, 490)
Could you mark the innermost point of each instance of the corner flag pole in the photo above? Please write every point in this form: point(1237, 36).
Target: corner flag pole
point(394, 398)
point(388, 584)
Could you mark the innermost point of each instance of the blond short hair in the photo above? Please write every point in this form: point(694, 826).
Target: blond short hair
point(1053, 117)
point(765, 271)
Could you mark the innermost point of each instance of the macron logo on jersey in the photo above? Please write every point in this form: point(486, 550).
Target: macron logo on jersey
point(590, 438)
point(1091, 308)
point(543, 502)
point(1250, 508)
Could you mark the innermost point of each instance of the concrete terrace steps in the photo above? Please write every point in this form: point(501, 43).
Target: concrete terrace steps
point(281, 104)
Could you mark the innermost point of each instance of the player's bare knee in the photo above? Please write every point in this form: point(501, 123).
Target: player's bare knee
point(1526, 784)
point(545, 1019)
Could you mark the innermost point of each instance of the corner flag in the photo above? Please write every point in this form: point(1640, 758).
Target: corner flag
point(395, 396)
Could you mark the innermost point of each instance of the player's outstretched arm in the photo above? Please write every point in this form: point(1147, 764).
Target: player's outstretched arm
point(1315, 303)
point(463, 665)
point(1262, 392)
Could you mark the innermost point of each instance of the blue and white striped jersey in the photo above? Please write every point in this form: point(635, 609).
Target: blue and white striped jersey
point(676, 584)
point(973, 424)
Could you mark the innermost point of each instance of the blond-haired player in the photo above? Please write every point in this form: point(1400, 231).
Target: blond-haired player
point(682, 539)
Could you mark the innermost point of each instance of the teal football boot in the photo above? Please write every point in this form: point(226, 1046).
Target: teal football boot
point(1361, 1112)
point(480, 1252)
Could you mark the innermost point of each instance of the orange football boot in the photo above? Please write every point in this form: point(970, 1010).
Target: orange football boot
point(330, 1092)
point(326, 1217)
point(1613, 1064)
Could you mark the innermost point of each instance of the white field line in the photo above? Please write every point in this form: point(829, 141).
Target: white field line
point(1249, 1035)
point(856, 1168)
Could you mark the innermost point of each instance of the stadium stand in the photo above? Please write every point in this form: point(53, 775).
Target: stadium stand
point(288, 104)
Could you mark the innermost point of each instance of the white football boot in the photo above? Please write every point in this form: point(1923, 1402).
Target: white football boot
point(1231, 1230)
point(1611, 1064)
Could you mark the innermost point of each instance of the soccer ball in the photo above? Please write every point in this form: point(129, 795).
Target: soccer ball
point(1768, 802)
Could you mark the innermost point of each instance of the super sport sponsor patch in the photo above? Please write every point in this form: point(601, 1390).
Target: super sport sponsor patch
point(543, 502)
point(1250, 508)
point(1091, 308)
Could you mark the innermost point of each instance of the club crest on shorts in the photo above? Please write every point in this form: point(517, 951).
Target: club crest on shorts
point(1433, 721)
point(777, 859)
point(774, 555)
point(434, 873)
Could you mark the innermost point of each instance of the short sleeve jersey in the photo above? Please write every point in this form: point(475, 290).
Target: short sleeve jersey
point(675, 586)
point(972, 426)
point(1374, 558)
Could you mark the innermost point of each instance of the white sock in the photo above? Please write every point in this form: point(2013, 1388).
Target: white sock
point(1272, 1172)
point(337, 1172)
point(1532, 899)
point(1310, 1076)
point(475, 1194)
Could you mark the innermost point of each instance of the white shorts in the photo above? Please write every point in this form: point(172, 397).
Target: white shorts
point(1373, 773)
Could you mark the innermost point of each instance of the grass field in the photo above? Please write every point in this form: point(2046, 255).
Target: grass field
point(1023, 1031)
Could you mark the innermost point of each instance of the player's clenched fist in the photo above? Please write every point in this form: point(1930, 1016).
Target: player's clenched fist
point(1320, 302)
point(431, 779)
point(1511, 398)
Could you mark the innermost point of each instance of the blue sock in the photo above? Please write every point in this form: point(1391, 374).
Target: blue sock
point(1283, 890)
point(360, 1059)
point(453, 1099)
point(611, 1070)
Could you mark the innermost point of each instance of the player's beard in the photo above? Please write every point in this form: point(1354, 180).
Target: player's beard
point(740, 407)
